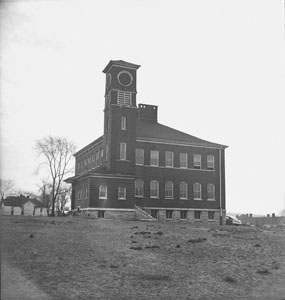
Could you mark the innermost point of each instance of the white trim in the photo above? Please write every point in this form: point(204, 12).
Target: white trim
point(112, 177)
point(176, 168)
point(178, 144)
point(107, 209)
point(188, 209)
point(121, 66)
point(126, 72)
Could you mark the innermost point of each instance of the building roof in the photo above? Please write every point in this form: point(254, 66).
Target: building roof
point(155, 132)
point(101, 171)
point(19, 201)
point(120, 63)
point(86, 148)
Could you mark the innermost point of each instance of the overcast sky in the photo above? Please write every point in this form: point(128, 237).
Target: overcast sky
point(216, 70)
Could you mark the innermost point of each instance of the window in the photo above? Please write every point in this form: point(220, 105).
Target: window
point(154, 189)
point(197, 215)
point(86, 192)
point(154, 213)
point(102, 192)
point(93, 160)
point(124, 98)
point(97, 158)
point(139, 156)
point(101, 156)
point(210, 162)
point(139, 188)
point(107, 124)
point(101, 213)
point(169, 214)
point(121, 193)
point(183, 190)
point(183, 160)
point(197, 161)
point(197, 190)
point(211, 215)
point(123, 149)
point(79, 194)
point(108, 99)
point(169, 159)
point(154, 158)
point(107, 152)
point(211, 191)
point(168, 189)
point(183, 214)
point(123, 123)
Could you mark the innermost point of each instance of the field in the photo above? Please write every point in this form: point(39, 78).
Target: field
point(85, 258)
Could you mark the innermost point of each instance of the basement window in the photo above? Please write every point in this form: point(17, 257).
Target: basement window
point(211, 215)
point(169, 214)
point(197, 215)
point(101, 213)
point(183, 214)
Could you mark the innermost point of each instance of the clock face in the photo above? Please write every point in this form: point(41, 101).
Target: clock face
point(109, 79)
point(125, 78)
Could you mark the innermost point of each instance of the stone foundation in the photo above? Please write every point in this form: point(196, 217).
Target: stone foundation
point(132, 214)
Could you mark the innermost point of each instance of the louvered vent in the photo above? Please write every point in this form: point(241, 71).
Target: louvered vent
point(124, 98)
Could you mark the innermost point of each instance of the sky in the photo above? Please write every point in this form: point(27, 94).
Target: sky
point(216, 70)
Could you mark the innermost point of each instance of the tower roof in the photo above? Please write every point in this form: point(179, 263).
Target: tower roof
point(120, 63)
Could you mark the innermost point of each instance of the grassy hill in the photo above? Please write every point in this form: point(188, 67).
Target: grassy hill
point(84, 258)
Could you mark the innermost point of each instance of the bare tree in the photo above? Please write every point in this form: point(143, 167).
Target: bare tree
point(6, 187)
point(57, 153)
point(63, 197)
point(45, 192)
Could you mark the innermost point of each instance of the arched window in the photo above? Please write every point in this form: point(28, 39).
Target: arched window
point(197, 191)
point(183, 191)
point(123, 122)
point(139, 188)
point(123, 151)
point(211, 191)
point(168, 189)
point(122, 193)
point(169, 159)
point(102, 191)
point(154, 189)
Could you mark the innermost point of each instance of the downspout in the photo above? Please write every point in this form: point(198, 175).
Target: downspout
point(220, 167)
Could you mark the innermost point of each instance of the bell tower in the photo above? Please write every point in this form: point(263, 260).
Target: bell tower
point(121, 79)
point(120, 115)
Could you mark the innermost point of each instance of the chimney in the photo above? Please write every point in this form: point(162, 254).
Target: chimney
point(148, 112)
